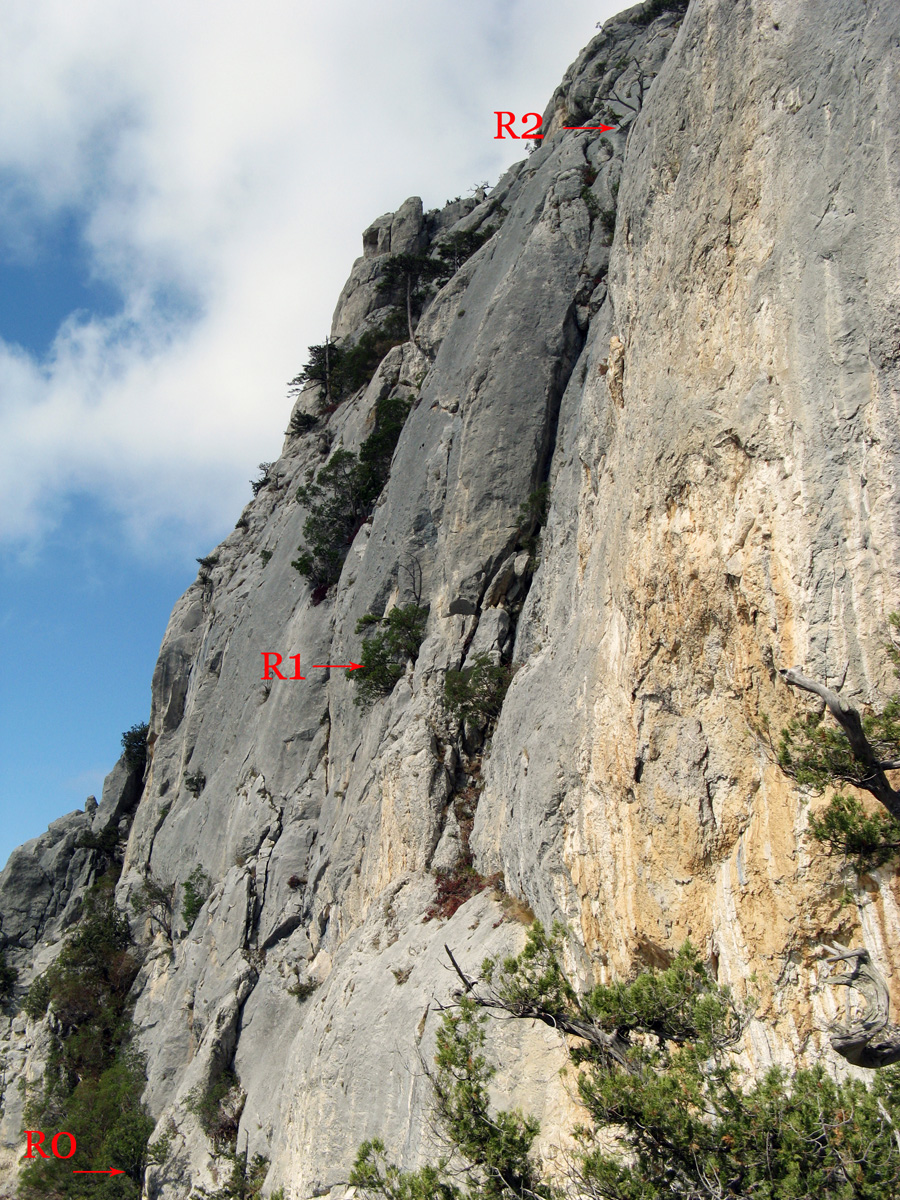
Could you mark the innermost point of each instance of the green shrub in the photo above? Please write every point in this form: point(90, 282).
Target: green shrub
point(655, 9)
point(495, 1147)
point(155, 900)
point(37, 998)
point(608, 221)
point(8, 977)
point(105, 841)
point(362, 358)
point(218, 1108)
point(195, 783)
point(377, 451)
point(816, 751)
point(406, 278)
point(245, 1181)
point(264, 480)
point(342, 494)
point(817, 754)
point(476, 693)
point(455, 248)
point(196, 890)
point(134, 747)
point(532, 515)
point(303, 989)
point(337, 509)
point(868, 839)
point(266, 556)
point(593, 204)
point(385, 653)
point(111, 1126)
point(301, 423)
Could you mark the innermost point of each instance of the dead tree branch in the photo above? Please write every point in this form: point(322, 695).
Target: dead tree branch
point(865, 1039)
point(632, 102)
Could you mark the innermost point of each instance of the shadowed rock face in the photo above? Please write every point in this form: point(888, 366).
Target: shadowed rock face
point(712, 396)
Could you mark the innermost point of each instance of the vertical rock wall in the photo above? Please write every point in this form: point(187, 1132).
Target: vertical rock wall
point(724, 504)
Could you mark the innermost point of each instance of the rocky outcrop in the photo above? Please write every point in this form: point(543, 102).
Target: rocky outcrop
point(688, 330)
point(42, 889)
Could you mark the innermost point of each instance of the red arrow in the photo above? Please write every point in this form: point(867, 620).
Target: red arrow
point(111, 1171)
point(602, 128)
point(351, 666)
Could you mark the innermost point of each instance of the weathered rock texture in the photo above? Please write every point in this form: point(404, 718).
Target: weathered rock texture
point(713, 398)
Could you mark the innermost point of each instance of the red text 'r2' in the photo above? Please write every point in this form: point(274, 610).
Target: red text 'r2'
point(505, 120)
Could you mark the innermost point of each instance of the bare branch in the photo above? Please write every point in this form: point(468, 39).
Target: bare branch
point(413, 571)
point(468, 984)
point(867, 1039)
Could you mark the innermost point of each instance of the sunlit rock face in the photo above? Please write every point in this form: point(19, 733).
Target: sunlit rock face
point(687, 328)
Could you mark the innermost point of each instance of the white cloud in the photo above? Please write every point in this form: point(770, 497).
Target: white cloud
point(228, 156)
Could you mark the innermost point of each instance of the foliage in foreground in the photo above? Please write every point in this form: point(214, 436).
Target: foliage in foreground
point(94, 1078)
point(845, 827)
point(386, 652)
point(342, 495)
point(656, 1069)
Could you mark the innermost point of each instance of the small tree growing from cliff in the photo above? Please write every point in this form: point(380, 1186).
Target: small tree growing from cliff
point(476, 693)
point(858, 750)
point(409, 274)
point(134, 747)
point(341, 368)
point(196, 889)
point(386, 651)
point(156, 900)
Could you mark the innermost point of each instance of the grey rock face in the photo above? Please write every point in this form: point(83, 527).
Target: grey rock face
point(711, 395)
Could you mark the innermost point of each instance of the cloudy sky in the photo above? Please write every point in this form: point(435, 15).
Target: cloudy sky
point(182, 191)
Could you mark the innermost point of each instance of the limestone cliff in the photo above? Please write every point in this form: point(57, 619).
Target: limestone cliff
point(688, 329)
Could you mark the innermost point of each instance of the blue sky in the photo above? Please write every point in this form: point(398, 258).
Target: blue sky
point(182, 194)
